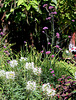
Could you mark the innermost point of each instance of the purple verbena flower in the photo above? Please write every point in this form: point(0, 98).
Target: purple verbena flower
point(52, 71)
point(48, 52)
point(69, 36)
point(1, 33)
point(53, 13)
point(43, 31)
point(57, 35)
point(45, 28)
point(4, 46)
point(57, 46)
point(73, 20)
point(49, 43)
point(42, 51)
point(25, 42)
point(52, 56)
point(53, 74)
point(48, 18)
point(44, 5)
point(50, 7)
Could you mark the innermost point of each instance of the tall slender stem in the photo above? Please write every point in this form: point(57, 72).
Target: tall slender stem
point(52, 28)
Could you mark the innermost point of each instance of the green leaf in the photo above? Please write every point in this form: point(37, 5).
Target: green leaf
point(20, 2)
point(12, 10)
point(74, 91)
point(74, 12)
point(45, 0)
point(28, 7)
point(7, 15)
point(55, 1)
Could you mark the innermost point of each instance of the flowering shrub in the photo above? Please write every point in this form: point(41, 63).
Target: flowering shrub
point(65, 88)
point(22, 78)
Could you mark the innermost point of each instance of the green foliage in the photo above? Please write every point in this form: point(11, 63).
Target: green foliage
point(66, 13)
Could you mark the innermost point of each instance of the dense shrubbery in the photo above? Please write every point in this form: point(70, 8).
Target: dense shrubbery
point(29, 75)
point(21, 18)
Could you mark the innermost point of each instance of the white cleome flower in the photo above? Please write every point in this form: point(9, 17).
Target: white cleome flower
point(36, 70)
point(39, 70)
point(31, 85)
point(2, 73)
point(10, 75)
point(29, 66)
point(45, 86)
point(13, 63)
point(47, 90)
point(23, 59)
point(50, 92)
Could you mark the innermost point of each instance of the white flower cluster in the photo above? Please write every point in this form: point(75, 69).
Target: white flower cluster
point(29, 66)
point(8, 75)
point(47, 90)
point(31, 85)
point(23, 59)
point(35, 70)
point(13, 63)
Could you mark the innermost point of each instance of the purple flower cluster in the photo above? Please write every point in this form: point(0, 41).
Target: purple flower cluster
point(48, 52)
point(52, 71)
point(48, 18)
point(50, 7)
point(25, 42)
point(69, 36)
point(42, 51)
point(57, 46)
point(44, 5)
point(52, 56)
point(1, 33)
point(6, 51)
point(65, 87)
point(4, 46)
point(73, 20)
point(49, 43)
point(57, 35)
point(43, 31)
point(45, 28)
point(53, 13)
